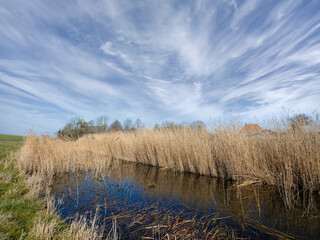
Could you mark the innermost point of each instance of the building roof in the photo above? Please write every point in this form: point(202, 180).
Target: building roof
point(251, 128)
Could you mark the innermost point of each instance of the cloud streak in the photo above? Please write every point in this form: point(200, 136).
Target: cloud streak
point(176, 60)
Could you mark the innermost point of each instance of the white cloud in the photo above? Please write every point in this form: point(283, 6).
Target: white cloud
point(160, 59)
point(240, 13)
point(107, 49)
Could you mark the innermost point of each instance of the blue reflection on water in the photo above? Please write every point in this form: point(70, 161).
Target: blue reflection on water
point(132, 187)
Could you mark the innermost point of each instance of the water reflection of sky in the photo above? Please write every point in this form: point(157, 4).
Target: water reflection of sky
point(126, 186)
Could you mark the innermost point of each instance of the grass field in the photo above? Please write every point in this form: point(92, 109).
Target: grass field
point(5, 137)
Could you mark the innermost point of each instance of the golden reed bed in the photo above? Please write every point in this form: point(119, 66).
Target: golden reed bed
point(288, 158)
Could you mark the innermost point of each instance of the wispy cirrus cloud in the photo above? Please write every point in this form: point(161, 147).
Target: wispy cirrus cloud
point(177, 60)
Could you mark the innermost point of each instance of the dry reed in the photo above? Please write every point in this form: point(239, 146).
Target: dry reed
point(155, 223)
point(288, 157)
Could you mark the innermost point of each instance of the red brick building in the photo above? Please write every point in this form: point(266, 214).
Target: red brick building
point(251, 128)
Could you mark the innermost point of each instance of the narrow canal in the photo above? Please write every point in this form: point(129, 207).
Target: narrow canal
point(129, 190)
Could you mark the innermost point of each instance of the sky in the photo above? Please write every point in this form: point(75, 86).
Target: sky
point(155, 60)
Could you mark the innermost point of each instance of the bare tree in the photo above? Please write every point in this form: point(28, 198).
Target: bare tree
point(102, 123)
point(300, 120)
point(138, 124)
point(74, 121)
point(74, 129)
point(168, 125)
point(127, 124)
point(116, 126)
point(197, 125)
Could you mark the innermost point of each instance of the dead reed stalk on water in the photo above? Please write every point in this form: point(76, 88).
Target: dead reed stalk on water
point(288, 157)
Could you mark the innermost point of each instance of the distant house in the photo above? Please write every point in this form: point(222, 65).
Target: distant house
point(251, 128)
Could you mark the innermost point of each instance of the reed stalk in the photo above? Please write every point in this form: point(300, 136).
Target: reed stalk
point(286, 157)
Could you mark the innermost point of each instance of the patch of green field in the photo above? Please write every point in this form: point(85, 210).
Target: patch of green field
point(6, 137)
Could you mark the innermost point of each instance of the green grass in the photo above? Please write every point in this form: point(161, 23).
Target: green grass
point(5, 137)
point(18, 211)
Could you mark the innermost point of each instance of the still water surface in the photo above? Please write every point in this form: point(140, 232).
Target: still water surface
point(251, 210)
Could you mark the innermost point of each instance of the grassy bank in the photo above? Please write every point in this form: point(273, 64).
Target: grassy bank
point(6, 137)
point(288, 157)
point(25, 211)
point(16, 212)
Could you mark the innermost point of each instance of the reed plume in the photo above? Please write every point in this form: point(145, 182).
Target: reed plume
point(287, 157)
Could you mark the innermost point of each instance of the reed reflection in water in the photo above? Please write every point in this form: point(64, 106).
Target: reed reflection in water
point(128, 184)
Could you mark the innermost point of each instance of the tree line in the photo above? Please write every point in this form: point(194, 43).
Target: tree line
point(76, 127)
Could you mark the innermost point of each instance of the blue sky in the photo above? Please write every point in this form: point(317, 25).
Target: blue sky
point(156, 60)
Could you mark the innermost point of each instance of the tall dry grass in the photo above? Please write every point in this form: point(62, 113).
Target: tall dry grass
point(288, 157)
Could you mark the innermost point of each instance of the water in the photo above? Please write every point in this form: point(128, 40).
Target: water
point(254, 211)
